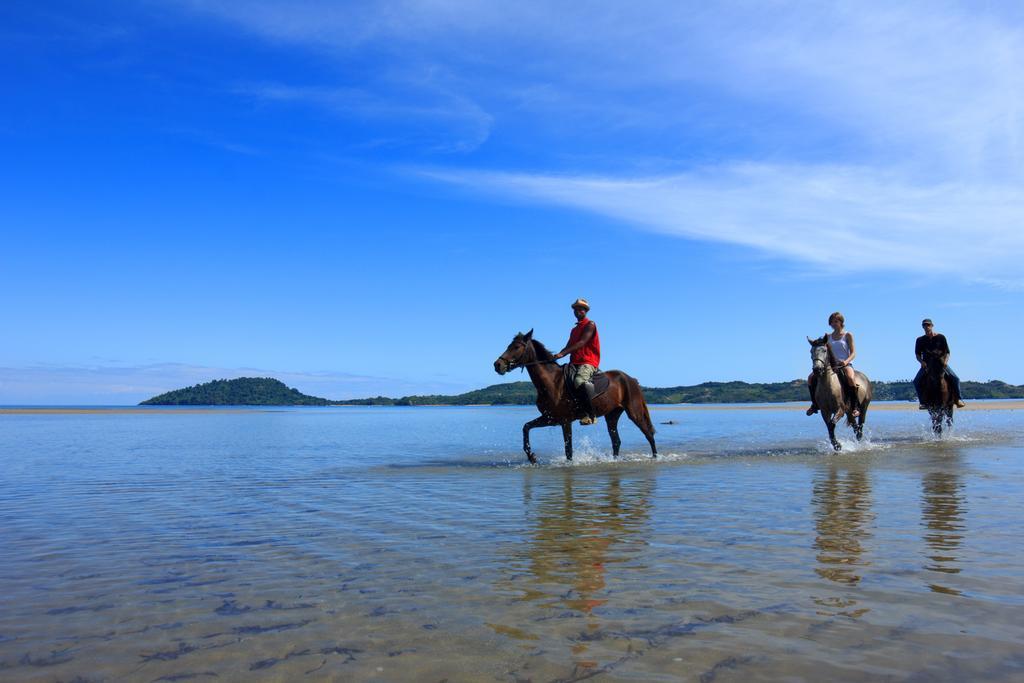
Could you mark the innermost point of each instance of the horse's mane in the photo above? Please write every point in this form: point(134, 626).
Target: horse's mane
point(542, 351)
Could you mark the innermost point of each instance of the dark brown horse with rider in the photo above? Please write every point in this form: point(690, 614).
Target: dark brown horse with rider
point(558, 406)
point(937, 394)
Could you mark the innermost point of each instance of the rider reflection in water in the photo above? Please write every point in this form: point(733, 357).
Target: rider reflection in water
point(585, 347)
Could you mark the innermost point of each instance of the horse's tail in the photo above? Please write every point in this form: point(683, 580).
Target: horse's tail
point(638, 394)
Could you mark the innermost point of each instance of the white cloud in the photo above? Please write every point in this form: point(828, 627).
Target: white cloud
point(840, 218)
point(946, 73)
point(921, 105)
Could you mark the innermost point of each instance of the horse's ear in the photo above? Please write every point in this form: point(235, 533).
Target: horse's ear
point(810, 341)
point(529, 335)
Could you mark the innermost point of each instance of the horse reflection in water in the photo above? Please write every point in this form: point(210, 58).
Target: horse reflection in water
point(582, 527)
point(843, 514)
point(942, 512)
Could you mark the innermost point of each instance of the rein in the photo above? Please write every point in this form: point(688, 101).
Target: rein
point(512, 366)
point(520, 366)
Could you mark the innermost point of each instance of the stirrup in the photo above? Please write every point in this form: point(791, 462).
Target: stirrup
point(960, 403)
point(587, 420)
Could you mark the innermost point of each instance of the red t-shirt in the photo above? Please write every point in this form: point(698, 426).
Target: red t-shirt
point(590, 354)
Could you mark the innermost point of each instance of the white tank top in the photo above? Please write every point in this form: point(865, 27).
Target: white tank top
point(840, 349)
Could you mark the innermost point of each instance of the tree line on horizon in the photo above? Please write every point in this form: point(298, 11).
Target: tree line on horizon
point(266, 391)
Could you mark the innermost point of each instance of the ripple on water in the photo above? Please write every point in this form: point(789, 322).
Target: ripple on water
point(420, 545)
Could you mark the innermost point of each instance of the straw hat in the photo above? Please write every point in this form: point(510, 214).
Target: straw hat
point(581, 303)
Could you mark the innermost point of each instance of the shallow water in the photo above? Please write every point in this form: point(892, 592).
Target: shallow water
point(416, 544)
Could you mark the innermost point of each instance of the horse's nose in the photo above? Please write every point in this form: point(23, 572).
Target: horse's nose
point(498, 367)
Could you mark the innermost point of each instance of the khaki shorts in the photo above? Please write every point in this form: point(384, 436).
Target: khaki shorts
point(581, 374)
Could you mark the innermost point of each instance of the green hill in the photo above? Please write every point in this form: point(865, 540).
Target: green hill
point(264, 391)
point(244, 391)
point(512, 393)
point(523, 393)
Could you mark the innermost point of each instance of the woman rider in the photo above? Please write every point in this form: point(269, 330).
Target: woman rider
point(843, 351)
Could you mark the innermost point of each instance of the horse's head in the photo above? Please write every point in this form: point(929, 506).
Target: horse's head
point(520, 351)
point(819, 354)
point(933, 364)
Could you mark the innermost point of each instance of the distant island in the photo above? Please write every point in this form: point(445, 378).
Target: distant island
point(244, 391)
point(266, 391)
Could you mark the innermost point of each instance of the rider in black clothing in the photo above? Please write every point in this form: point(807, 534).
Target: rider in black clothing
point(933, 341)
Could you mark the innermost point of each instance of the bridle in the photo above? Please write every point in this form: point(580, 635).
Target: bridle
point(512, 365)
point(826, 366)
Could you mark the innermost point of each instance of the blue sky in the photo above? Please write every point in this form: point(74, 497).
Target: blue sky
point(367, 198)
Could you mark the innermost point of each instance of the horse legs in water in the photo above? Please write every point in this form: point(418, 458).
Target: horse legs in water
point(938, 415)
point(612, 419)
point(541, 421)
point(643, 422)
point(567, 439)
point(858, 428)
point(831, 425)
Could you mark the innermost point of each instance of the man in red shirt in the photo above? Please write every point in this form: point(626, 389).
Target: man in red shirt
point(585, 347)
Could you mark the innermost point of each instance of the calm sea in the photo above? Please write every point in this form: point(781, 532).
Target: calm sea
point(414, 544)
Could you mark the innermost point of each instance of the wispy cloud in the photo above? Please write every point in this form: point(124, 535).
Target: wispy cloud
point(848, 135)
point(840, 218)
point(465, 125)
point(120, 384)
point(945, 73)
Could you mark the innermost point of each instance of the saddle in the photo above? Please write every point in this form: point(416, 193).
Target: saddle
point(600, 381)
point(850, 397)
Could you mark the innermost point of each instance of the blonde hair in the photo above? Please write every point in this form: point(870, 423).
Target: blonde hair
point(837, 316)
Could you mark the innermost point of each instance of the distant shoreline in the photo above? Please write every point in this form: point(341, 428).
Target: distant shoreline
point(1005, 404)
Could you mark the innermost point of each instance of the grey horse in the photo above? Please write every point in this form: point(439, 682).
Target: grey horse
point(829, 392)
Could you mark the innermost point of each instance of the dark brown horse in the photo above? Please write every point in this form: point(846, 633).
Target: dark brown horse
point(556, 404)
point(936, 393)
